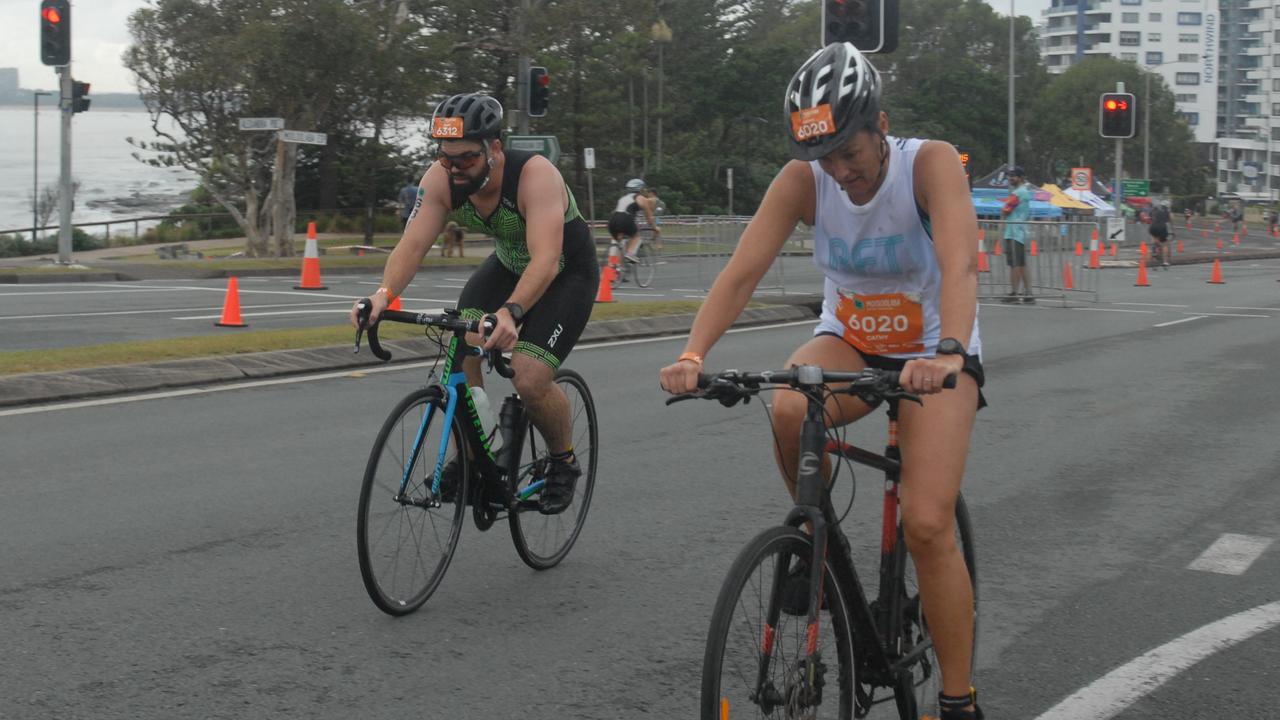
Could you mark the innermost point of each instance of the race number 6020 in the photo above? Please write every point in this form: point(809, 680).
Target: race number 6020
point(879, 323)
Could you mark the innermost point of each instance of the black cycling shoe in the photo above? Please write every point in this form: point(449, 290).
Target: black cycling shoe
point(449, 482)
point(557, 492)
point(795, 591)
point(953, 708)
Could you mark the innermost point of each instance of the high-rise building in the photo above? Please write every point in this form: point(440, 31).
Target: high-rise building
point(1177, 39)
point(1249, 101)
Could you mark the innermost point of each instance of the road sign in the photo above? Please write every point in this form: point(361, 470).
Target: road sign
point(1082, 179)
point(545, 145)
point(589, 158)
point(302, 136)
point(261, 123)
point(1115, 230)
point(1135, 188)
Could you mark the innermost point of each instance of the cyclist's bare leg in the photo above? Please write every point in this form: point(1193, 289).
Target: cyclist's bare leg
point(545, 401)
point(935, 444)
point(633, 244)
point(830, 353)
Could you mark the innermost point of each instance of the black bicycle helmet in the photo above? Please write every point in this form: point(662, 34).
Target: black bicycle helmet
point(470, 116)
point(835, 93)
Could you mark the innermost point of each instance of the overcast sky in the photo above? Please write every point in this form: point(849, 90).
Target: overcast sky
point(99, 37)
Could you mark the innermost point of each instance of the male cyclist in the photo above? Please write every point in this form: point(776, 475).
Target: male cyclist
point(622, 224)
point(541, 280)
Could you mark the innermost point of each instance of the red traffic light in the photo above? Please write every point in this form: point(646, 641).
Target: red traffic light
point(1112, 105)
point(544, 80)
point(51, 15)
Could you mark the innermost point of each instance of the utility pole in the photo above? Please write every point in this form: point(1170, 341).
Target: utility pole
point(1115, 191)
point(522, 69)
point(1146, 130)
point(35, 163)
point(1011, 131)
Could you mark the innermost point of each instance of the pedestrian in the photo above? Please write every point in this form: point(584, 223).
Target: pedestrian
point(1016, 212)
point(408, 197)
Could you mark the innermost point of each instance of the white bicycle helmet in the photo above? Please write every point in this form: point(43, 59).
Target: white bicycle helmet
point(635, 184)
point(835, 93)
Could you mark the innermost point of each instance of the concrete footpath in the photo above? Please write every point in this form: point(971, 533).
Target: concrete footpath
point(52, 387)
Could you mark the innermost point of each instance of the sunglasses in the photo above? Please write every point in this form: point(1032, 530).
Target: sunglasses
point(462, 161)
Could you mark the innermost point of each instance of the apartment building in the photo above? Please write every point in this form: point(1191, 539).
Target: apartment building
point(1249, 102)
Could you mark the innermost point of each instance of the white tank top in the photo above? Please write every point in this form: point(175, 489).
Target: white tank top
point(882, 248)
point(627, 204)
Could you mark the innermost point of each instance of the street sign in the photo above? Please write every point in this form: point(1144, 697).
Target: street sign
point(545, 145)
point(302, 136)
point(589, 158)
point(1135, 188)
point(1082, 179)
point(1115, 229)
point(261, 123)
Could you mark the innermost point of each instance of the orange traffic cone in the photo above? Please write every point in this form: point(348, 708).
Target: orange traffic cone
point(1094, 263)
point(1080, 248)
point(1142, 248)
point(1114, 249)
point(1235, 239)
point(231, 306)
point(1219, 243)
point(605, 293)
point(1216, 277)
point(1034, 250)
point(1180, 250)
point(395, 304)
point(310, 263)
point(1066, 278)
point(997, 247)
point(983, 267)
point(1142, 275)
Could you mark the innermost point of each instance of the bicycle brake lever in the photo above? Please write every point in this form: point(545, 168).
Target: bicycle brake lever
point(681, 398)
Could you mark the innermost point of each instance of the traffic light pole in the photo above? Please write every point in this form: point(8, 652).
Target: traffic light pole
point(64, 194)
point(1115, 191)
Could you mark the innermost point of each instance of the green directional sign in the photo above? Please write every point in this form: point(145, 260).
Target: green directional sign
point(545, 145)
point(1135, 188)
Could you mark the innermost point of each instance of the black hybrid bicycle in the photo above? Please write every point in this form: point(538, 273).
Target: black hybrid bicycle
point(432, 458)
point(788, 641)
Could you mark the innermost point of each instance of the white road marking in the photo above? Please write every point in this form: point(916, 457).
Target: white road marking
point(1229, 307)
point(1231, 554)
point(1151, 304)
point(160, 311)
point(60, 293)
point(1110, 694)
point(330, 375)
point(637, 294)
point(1093, 309)
point(1175, 322)
point(312, 311)
point(1229, 315)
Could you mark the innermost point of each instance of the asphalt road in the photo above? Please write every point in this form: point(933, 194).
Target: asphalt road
point(194, 556)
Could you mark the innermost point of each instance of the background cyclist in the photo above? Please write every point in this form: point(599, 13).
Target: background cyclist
point(540, 281)
point(622, 224)
point(894, 228)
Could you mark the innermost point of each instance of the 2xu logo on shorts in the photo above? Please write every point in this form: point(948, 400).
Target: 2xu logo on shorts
point(555, 335)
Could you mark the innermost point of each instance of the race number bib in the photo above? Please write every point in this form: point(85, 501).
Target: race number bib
point(809, 123)
point(882, 324)
point(447, 128)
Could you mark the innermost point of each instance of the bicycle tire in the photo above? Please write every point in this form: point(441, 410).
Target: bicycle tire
point(926, 680)
point(382, 535)
point(542, 541)
point(644, 270)
point(734, 685)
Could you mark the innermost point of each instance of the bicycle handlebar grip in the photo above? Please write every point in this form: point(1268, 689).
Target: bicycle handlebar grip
point(500, 364)
point(364, 308)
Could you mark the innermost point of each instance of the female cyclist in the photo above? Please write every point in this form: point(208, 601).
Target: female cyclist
point(896, 237)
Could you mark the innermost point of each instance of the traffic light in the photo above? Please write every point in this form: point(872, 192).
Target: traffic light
point(1116, 113)
point(79, 103)
point(871, 25)
point(539, 91)
point(55, 32)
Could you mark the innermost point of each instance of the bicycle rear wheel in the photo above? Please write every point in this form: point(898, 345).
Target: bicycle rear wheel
point(542, 541)
point(405, 541)
point(926, 674)
point(644, 269)
point(740, 639)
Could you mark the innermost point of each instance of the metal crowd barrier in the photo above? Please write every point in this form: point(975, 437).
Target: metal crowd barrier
point(1054, 269)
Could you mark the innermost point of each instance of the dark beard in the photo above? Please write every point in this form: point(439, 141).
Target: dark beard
point(473, 185)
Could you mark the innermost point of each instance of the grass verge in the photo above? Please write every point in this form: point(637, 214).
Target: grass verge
point(231, 341)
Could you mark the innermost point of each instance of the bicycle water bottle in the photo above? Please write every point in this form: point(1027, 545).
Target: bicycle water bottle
point(510, 422)
point(481, 400)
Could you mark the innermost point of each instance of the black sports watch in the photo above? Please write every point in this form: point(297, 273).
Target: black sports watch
point(517, 312)
point(951, 346)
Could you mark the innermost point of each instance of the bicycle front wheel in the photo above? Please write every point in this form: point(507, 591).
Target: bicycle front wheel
point(542, 541)
point(926, 673)
point(404, 538)
point(645, 268)
point(751, 669)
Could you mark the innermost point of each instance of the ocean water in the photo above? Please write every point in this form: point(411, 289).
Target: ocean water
point(113, 185)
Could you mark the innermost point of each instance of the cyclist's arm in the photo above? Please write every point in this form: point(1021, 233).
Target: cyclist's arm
point(943, 193)
point(425, 223)
point(790, 199)
point(647, 204)
point(543, 201)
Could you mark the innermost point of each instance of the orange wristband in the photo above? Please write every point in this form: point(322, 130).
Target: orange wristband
point(695, 357)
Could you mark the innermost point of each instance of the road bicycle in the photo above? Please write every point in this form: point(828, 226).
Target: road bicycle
point(432, 458)
point(790, 641)
point(642, 272)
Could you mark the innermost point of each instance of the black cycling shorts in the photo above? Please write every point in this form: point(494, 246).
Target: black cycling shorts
point(553, 325)
point(623, 224)
point(1159, 232)
point(972, 366)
